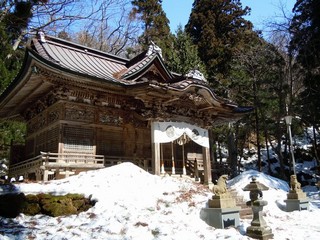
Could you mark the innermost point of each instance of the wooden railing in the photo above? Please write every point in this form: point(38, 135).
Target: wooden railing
point(195, 168)
point(48, 160)
point(20, 168)
point(73, 160)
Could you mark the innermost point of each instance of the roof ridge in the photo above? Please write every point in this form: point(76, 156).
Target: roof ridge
point(83, 48)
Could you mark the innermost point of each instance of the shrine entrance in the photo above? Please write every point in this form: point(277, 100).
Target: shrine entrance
point(175, 145)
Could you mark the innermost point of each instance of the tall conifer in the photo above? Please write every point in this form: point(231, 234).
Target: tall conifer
point(155, 24)
point(305, 45)
point(218, 28)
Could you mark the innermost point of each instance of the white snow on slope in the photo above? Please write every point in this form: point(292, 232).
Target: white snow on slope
point(133, 204)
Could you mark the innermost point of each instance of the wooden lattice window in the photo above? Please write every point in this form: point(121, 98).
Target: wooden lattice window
point(29, 147)
point(53, 139)
point(110, 142)
point(40, 143)
point(78, 140)
point(78, 144)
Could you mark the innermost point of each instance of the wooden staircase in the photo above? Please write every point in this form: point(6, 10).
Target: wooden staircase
point(245, 211)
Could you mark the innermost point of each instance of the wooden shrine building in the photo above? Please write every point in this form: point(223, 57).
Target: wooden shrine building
point(86, 109)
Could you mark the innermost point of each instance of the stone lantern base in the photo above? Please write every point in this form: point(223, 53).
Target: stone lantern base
point(259, 232)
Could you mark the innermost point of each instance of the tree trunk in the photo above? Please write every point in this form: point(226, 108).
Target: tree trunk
point(266, 142)
point(232, 153)
point(257, 124)
point(315, 146)
point(220, 153)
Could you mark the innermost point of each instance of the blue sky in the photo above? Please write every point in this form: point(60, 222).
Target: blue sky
point(178, 11)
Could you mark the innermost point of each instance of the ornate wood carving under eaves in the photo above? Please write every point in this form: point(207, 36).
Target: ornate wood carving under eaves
point(110, 118)
point(173, 112)
point(39, 106)
point(75, 112)
point(44, 119)
point(37, 123)
point(185, 109)
point(118, 117)
point(197, 99)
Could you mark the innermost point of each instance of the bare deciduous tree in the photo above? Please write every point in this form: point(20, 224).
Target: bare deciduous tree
point(102, 24)
point(111, 28)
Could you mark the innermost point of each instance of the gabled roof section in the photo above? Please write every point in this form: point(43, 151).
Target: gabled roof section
point(148, 60)
point(90, 62)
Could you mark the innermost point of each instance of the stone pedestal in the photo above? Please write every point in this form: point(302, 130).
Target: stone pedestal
point(296, 200)
point(222, 201)
point(263, 233)
point(222, 212)
point(297, 204)
point(298, 194)
point(259, 228)
point(221, 217)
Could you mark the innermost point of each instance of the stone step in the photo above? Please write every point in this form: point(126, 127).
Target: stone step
point(245, 211)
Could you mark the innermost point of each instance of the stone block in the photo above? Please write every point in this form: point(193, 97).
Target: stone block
point(221, 217)
point(296, 195)
point(222, 203)
point(297, 204)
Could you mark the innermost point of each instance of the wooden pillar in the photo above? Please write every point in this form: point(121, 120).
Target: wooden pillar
point(61, 136)
point(38, 174)
point(155, 147)
point(162, 159)
point(206, 166)
point(45, 175)
point(184, 171)
point(172, 158)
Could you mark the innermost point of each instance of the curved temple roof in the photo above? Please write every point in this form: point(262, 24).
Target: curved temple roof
point(136, 75)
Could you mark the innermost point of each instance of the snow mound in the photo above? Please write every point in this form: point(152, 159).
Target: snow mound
point(133, 204)
point(116, 184)
point(244, 179)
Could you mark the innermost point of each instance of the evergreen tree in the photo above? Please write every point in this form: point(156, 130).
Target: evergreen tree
point(155, 24)
point(183, 56)
point(10, 60)
point(218, 29)
point(257, 77)
point(14, 19)
point(305, 45)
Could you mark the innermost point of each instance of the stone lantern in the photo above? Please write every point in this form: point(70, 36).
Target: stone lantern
point(258, 228)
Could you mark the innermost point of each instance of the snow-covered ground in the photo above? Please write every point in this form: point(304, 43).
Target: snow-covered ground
point(133, 204)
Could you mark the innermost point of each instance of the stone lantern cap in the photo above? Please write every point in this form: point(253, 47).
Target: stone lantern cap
point(254, 185)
